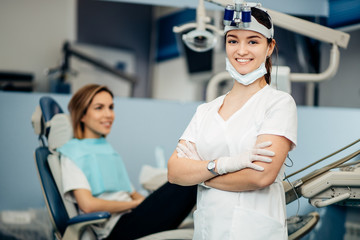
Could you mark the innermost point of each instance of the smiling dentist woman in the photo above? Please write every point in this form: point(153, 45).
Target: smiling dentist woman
point(235, 146)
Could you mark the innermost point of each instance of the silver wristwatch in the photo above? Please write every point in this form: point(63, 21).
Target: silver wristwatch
point(211, 167)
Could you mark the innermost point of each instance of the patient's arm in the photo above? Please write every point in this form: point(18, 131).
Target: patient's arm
point(88, 203)
point(249, 179)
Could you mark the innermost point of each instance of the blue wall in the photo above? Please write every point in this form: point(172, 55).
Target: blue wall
point(142, 125)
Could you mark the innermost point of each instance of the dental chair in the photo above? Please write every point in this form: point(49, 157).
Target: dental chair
point(66, 223)
point(54, 129)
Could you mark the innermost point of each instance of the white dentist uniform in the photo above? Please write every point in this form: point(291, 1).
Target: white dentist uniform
point(259, 214)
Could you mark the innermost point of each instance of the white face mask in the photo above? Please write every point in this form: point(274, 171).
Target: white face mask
point(248, 78)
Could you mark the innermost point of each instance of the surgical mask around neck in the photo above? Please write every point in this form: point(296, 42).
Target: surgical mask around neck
point(246, 79)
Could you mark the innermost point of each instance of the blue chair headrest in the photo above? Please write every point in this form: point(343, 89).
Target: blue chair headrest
point(49, 108)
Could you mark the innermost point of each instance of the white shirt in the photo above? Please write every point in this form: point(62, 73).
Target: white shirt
point(259, 214)
point(73, 178)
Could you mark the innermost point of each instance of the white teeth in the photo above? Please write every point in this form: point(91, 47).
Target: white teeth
point(243, 60)
point(106, 123)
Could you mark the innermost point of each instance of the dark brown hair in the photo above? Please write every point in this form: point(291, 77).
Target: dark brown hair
point(264, 18)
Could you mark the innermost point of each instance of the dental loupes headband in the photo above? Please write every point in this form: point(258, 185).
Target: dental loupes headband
point(238, 17)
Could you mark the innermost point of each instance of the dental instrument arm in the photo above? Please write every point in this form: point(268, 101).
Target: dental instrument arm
point(70, 51)
point(322, 159)
point(313, 30)
point(296, 189)
point(318, 32)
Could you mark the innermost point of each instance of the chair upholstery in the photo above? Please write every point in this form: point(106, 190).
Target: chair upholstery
point(52, 197)
point(49, 108)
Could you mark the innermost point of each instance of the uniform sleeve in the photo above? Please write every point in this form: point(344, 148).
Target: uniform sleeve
point(281, 119)
point(191, 130)
point(72, 178)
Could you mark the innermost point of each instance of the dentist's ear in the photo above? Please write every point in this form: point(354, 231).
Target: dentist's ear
point(272, 46)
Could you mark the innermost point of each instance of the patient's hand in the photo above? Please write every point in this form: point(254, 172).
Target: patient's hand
point(137, 196)
point(137, 202)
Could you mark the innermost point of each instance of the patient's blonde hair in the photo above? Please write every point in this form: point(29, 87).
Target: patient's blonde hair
point(79, 104)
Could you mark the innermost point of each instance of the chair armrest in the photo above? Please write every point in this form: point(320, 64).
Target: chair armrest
point(89, 217)
point(78, 224)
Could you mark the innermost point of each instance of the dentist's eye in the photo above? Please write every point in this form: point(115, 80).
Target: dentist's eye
point(231, 41)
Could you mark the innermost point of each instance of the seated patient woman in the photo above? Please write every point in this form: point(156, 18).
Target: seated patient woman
point(95, 178)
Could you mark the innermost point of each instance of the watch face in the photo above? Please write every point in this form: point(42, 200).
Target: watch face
point(211, 165)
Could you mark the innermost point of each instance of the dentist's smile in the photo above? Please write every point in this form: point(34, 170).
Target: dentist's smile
point(243, 60)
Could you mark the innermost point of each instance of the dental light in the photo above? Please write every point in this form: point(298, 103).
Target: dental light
point(200, 39)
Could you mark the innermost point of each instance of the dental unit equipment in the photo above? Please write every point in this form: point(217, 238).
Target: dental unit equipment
point(325, 186)
point(202, 39)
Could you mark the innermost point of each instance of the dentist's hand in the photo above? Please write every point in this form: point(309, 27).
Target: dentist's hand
point(245, 159)
point(187, 151)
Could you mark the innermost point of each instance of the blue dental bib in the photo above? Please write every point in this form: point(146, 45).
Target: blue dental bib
point(101, 164)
